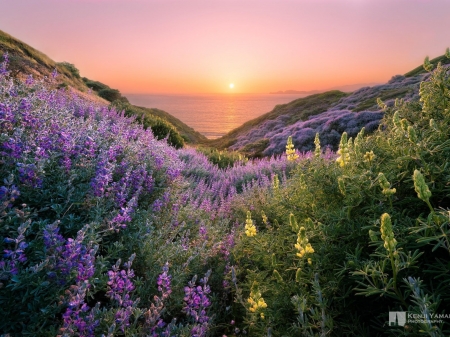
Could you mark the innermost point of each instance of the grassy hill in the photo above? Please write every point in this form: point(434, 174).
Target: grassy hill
point(329, 114)
point(25, 60)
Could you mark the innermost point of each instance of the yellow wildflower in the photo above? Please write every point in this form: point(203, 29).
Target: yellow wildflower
point(369, 156)
point(290, 151)
point(422, 190)
point(250, 229)
point(385, 185)
point(256, 301)
point(317, 151)
point(302, 245)
point(387, 233)
point(343, 152)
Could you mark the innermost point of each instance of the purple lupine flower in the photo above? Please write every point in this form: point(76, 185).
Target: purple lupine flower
point(157, 205)
point(4, 65)
point(28, 175)
point(16, 255)
point(203, 232)
point(79, 319)
point(124, 216)
point(8, 195)
point(13, 147)
point(153, 321)
point(164, 281)
point(30, 80)
point(103, 177)
point(120, 285)
point(196, 302)
point(69, 257)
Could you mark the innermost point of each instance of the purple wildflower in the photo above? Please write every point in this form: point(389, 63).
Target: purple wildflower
point(4, 65)
point(120, 286)
point(16, 255)
point(196, 302)
point(69, 257)
point(153, 319)
point(78, 317)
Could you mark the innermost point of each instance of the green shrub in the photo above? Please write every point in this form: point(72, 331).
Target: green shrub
point(223, 159)
point(70, 68)
point(344, 242)
point(110, 94)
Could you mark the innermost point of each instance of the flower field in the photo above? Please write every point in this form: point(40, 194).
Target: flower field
point(107, 231)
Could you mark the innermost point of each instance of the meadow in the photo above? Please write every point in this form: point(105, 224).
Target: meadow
point(108, 231)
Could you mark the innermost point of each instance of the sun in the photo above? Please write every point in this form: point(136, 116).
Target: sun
point(231, 85)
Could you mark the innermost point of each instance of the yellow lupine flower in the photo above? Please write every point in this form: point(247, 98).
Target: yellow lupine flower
point(290, 151)
point(344, 153)
point(385, 185)
point(387, 233)
point(369, 156)
point(317, 151)
point(302, 245)
point(256, 302)
point(250, 229)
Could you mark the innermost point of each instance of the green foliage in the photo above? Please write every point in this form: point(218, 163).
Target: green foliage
point(95, 85)
point(255, 149)
point(110, 94)
point(341, 244)
point(70, 68)
point(160, 127)
point(223, 159)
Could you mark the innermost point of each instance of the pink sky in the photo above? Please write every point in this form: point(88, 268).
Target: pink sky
point(201, 46)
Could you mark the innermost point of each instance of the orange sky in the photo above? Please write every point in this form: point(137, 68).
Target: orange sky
point(201, 46)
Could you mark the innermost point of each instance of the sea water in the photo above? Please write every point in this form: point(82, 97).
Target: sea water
point(213, 115)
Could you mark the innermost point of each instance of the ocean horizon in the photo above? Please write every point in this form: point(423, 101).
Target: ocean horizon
point(213, 115)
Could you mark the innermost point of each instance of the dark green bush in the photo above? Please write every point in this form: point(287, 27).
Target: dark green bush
point(110, 94)
point(70, 68)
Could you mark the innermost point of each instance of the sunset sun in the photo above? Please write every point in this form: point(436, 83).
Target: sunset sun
point(231, 85)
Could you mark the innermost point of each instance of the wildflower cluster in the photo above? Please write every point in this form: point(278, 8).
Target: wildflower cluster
point(290, 150)
point(303, 246)
point(250, 229)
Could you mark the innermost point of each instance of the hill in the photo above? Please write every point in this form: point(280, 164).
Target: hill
point(329, 114)
point(107, 231)
point(25, 60)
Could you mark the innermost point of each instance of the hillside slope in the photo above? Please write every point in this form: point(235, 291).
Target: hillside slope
point(25, 60)
point(329, 114)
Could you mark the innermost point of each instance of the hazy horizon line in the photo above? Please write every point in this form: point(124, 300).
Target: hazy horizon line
point(340, 87)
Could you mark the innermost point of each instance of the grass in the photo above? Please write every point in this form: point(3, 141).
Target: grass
point(420, 70)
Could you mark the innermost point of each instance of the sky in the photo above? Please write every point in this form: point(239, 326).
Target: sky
point(202, 46)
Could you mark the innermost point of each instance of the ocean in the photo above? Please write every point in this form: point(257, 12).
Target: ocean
point(213, 115)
